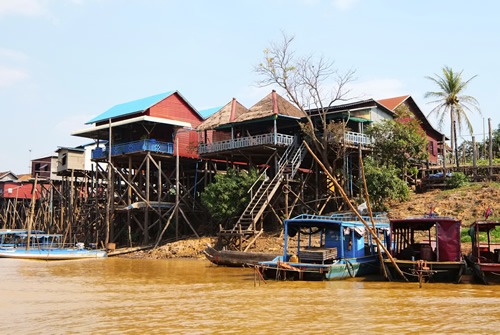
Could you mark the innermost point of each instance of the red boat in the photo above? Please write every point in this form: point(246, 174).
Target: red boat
point(484, 260)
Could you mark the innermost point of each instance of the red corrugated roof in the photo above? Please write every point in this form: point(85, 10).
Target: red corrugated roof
point(392, 103)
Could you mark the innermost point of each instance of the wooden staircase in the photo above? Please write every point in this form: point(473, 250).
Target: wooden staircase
point(245, 230)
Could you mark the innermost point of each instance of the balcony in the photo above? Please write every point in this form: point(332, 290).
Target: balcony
point(246, 142)
point(270, 139)
point(356, 138)
point(134, 147)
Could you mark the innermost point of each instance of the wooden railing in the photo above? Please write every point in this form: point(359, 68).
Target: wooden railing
point(134, 146)
point(244, 142)
point(270, 139)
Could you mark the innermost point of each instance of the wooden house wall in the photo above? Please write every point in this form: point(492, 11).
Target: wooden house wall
point(378, 115)
point(176, 108)
point(44, 167)
point(432, 139)
point(432, 148)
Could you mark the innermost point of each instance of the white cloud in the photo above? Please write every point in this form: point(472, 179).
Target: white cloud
point(24, 7)
point(344, 4)
point(12, 54)
point(9, 76)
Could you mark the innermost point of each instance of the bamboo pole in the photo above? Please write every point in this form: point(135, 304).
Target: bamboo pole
point(367, 199)
point(32, 213)
point(351, 206)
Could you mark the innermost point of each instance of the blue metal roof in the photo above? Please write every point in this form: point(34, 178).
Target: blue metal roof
point(130, 107)
point(209, 112)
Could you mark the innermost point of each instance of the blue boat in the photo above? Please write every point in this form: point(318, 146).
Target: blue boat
point(42, 246)
point(330, 247)
point(10, 238)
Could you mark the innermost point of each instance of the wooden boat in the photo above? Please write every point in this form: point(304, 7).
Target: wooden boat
point(337, 247)
point(484, 259)
point(41, 246)
point(426, 249)
point(235, 258)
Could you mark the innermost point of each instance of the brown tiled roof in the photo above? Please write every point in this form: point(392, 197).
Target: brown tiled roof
point(234, 112)
point(392, 103)
point(271, 104)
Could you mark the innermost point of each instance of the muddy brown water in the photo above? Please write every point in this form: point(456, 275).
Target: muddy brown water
point(187, 296)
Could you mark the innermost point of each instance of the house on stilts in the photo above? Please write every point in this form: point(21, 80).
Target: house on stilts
point(149, 149)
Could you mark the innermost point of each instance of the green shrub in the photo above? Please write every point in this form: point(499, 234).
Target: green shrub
point(457, 179)
point(228, 195)
point(384, 184)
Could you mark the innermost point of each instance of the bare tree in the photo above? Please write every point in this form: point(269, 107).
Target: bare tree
point(313, 84)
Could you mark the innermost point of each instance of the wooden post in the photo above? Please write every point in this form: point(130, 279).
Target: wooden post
point(129, 201)
point(109, 188)
point(32, 213)
point(490, 149)
point(146, 209)
point(474, 158)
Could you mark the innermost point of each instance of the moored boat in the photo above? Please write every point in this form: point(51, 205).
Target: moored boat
point(337, 247)
point(52, 254)
point(42, 246)
point(484, 259)
point(426, 248)
point(235, 258)
point(10, 238)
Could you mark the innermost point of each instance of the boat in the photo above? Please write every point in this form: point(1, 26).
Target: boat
point(9, 238)
point(43, 246)
point(336, 247)
point(232, 258)
point(484, 259)
point(426, 249)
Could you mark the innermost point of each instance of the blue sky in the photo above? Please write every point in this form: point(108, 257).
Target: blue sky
point(62, 62)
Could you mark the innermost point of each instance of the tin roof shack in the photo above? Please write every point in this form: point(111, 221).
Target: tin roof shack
point(45, 168)
point(139, 138)
point(7, 176)
point(18, 190)
point(70, 159)
point(16, 193)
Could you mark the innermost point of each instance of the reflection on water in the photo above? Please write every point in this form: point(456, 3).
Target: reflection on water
point(130, 296)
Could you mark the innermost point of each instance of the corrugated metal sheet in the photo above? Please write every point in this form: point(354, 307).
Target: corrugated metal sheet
point(130, 107)
point(209, 111)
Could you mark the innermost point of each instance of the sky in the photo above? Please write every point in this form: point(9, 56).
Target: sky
point(63, 62)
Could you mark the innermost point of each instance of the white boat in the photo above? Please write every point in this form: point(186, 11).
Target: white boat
point(51, 254)
point(44, 246)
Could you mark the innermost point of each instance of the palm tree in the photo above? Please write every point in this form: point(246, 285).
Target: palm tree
point(451, 103)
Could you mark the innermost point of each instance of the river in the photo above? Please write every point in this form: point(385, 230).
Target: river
point(189, 296)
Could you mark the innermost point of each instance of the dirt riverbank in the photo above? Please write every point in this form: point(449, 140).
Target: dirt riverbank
point(467, 203)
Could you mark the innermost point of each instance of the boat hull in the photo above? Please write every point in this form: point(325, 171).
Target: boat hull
point(485, 273)
point(438, 272)
point(51, 254)
point(235, 258)
point(340, 270)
